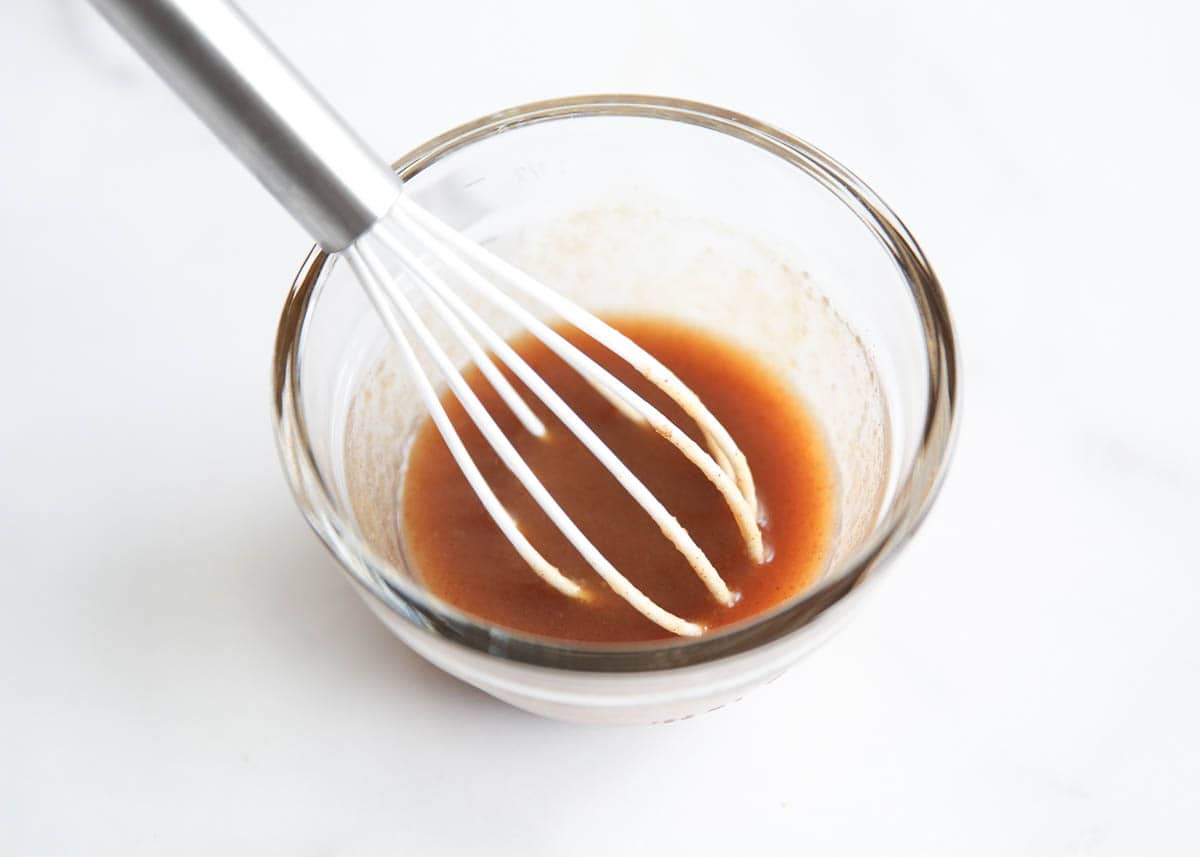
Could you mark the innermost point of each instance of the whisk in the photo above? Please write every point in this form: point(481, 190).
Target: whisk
point(353, 205)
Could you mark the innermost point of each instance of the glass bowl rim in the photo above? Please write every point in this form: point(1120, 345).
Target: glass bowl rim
point(916, 489)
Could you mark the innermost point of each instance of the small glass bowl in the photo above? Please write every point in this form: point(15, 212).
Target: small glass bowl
point(653, 206)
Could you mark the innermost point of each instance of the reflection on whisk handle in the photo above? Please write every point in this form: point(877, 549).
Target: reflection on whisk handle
point(263, 110)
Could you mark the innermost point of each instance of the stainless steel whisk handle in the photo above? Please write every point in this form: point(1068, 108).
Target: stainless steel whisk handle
point(217, 61)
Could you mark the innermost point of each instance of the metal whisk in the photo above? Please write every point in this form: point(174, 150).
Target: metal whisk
point(352, 204)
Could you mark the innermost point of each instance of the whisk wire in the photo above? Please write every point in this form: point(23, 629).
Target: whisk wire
point(637, 357)
point(670, 527)
point(393, 301)
point(745, 514)
point(370, 273)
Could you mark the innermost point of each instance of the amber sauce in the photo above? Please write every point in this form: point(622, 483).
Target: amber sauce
point(462, 557)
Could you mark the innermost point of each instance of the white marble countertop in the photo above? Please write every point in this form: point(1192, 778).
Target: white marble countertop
point(183, 670)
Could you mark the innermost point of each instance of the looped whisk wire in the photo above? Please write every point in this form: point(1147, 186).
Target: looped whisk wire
point(448, 255)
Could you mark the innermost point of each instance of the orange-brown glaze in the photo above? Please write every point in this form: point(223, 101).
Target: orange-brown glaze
point(462, 557)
